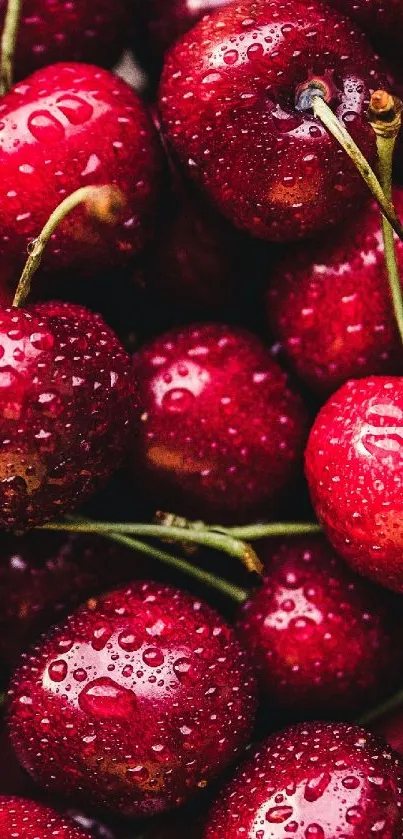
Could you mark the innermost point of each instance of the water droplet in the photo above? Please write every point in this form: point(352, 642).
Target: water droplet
point(354, 815)
point(350, 782)
point(80, 674)
point(42, 340)
point(75, 109)
point(104, 698)
point(57, 670)
point(178, 400)
point(184, 671)
point(230, 57)
point(314, 831)
point(100, 637)
point(278, 815)
point(129, 642)
point(153, 657)
point(315, 787)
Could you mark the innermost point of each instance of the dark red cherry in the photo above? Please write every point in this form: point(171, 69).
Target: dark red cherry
point(77, 30)
point(24, 819)
point(137, 702)
point(354, 462)
point(313, 781)
point(68, 126)
point(44, 575)
point(65, 404)
point(157, 24)
point(218, 431)
point(232, 106)
point(328, 305)
point(381, 19)
point(324, 641)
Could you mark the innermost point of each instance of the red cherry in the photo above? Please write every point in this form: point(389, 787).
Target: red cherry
point(78, 30)
point(218, 430)
point(65, 394)
point(313, 781)
point(68, 126)
point(354, 462)
point(329, 306)
point(141, 699)
point(44, 575)
point(324, 641)
point(231, 103)
point(25, 819)
point(382, 19)
point(157, 24)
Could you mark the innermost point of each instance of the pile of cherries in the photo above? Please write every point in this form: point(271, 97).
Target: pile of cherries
point(209, 332)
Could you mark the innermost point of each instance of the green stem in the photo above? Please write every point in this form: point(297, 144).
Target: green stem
point(337, 130)
point(387, 131)
point(206, 538)
point(102, 202)
point(229, 589)
point(391, 704)
point(8, 44)
point(262, 531)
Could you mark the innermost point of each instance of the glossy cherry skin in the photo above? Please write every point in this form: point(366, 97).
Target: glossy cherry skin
point(328, 305)
point(24, 819)
point(71, 30)
point(381, 19)
point(217, 430)
point(146, 696)
point(313, 781)
point(324, 641)
point(43, 576)
point(354, 463)
point(68, 126)
point(65, 404)
point(228, 103)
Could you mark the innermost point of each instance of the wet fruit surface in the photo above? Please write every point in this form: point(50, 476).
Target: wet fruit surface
point(140, 698)
point(68, 126)
point(218, 430)
point(229, 99)
point(314, 781)
point(23, 819)
point(67, 30)
point(324, 641)
point(354, 470)
point(65, 394)
point(329, 306)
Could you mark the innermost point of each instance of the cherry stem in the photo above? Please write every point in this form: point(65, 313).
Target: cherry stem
point(337, 130)
point(103, 203)
point(8, 44)
point(253, 532)
point(385, 116)
point(229, 589)
point(392, 704)
point(207, 538)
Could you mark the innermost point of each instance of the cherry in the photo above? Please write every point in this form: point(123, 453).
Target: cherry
point(313, 781)
point(324, 641)
point(68, 126)
point(65, 396)
point(44, 575)
point(381, 19)
point(236, 99)
point(25, 819)
point(157, 25)
point(218, 430)
point(353, 466)
point(78, 30)
point(329, 305)
point(139, 700)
